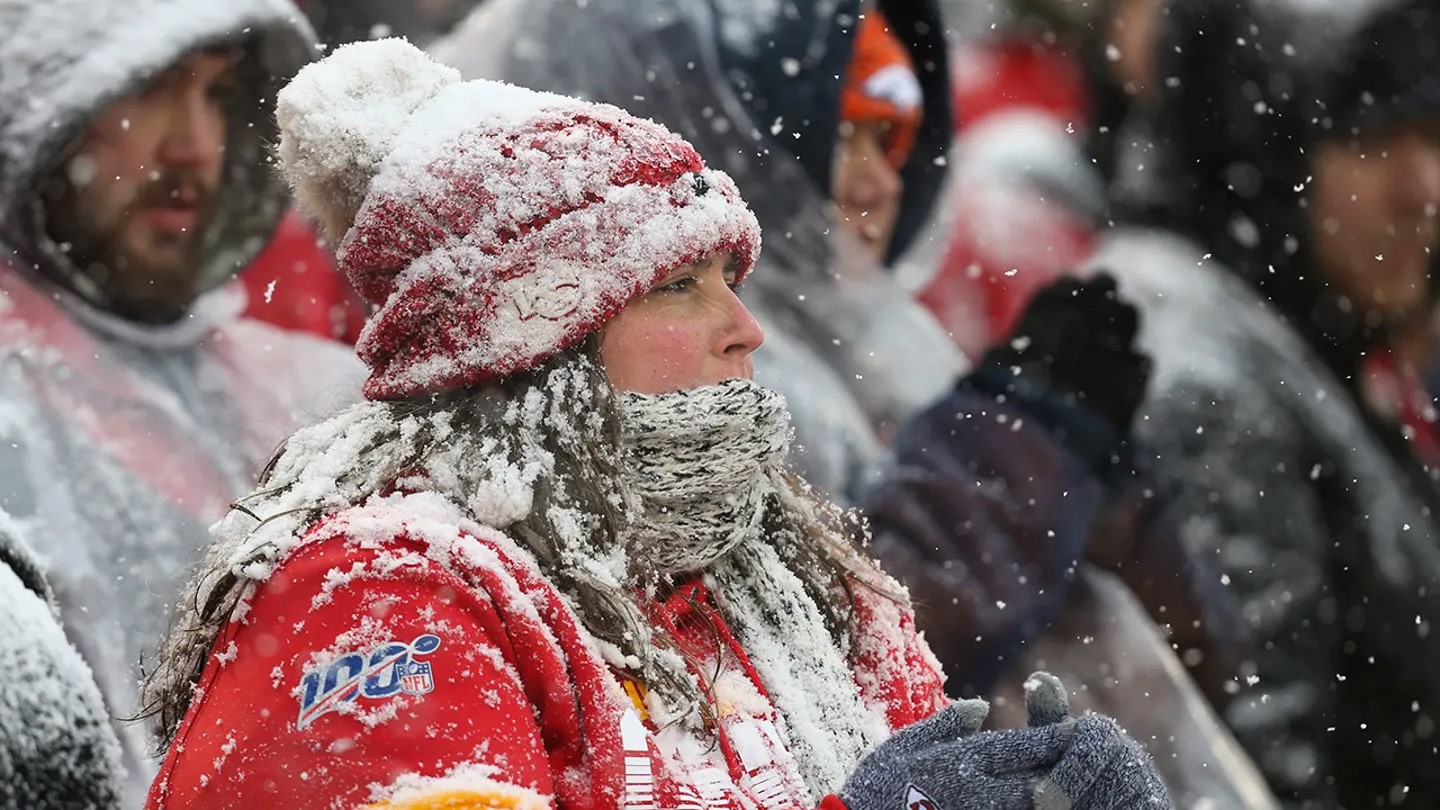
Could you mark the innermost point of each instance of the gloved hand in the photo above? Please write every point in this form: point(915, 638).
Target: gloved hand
point(1058, 763)
point(1071, 363)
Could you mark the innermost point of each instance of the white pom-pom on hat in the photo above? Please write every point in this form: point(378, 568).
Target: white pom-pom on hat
point(340, 117)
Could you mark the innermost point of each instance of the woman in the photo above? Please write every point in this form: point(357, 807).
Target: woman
point(556, 560)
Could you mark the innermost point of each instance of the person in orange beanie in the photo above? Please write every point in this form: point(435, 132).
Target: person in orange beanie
point(880, 113)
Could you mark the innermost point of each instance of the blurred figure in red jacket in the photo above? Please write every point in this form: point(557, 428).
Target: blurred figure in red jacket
point(1042, 90)
point(295, 285)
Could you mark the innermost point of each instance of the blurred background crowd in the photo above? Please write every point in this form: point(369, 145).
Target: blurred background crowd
point(1116, 318)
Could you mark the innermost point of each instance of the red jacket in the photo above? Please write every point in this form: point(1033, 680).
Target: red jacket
point(394, 658)
point(295, 285)
point(1009, 237)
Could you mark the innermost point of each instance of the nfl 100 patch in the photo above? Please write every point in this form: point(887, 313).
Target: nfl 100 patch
point(380, 673)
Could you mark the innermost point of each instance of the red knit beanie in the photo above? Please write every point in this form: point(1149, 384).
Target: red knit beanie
point(491, 225)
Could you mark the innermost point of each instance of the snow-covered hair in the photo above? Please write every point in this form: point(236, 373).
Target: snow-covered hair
point(554, 434)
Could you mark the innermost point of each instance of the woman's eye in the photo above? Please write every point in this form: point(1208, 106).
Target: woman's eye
point(735, 286)
point(679, 285)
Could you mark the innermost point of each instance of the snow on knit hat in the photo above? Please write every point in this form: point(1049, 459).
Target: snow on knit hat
point(491, 225)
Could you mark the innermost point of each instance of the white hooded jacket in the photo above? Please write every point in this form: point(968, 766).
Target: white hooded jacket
point(121, 443)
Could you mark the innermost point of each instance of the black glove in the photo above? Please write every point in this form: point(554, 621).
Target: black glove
point(1072, 364)
point(946, 763)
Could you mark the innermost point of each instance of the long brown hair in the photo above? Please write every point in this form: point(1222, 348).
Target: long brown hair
point(562, 413)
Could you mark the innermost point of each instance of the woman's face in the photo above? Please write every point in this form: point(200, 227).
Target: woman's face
point(690, 330)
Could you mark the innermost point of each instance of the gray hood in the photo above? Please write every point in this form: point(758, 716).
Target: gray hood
point(64, 61)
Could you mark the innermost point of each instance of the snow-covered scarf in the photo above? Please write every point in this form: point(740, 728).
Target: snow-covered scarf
point(706, 465)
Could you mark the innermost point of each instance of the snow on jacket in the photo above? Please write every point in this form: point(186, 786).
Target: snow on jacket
point(1278, 477)
point(57, 749)
point(120, 443)
point(402, 655)
point(758, 93)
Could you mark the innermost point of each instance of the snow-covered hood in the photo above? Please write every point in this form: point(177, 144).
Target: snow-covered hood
point(64, 61)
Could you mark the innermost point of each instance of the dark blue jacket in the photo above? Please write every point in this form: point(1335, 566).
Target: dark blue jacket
point(985, 515)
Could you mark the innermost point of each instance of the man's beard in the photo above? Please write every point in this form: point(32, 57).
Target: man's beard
point(156, 288)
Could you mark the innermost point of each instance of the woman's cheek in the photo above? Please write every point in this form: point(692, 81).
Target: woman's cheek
point(654, 353)
point(676, 354)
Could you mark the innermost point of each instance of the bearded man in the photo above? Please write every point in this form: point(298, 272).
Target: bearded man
point(135, 401)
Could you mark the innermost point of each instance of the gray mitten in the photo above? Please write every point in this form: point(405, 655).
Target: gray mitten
point(1057, 763)
point(1102, 768)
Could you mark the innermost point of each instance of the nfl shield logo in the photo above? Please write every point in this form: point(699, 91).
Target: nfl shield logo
point(379, 673)
point(416, 678)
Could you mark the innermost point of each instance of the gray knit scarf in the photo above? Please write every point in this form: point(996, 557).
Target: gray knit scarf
point(705, 465)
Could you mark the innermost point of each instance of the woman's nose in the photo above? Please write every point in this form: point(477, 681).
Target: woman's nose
point(742, 333)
